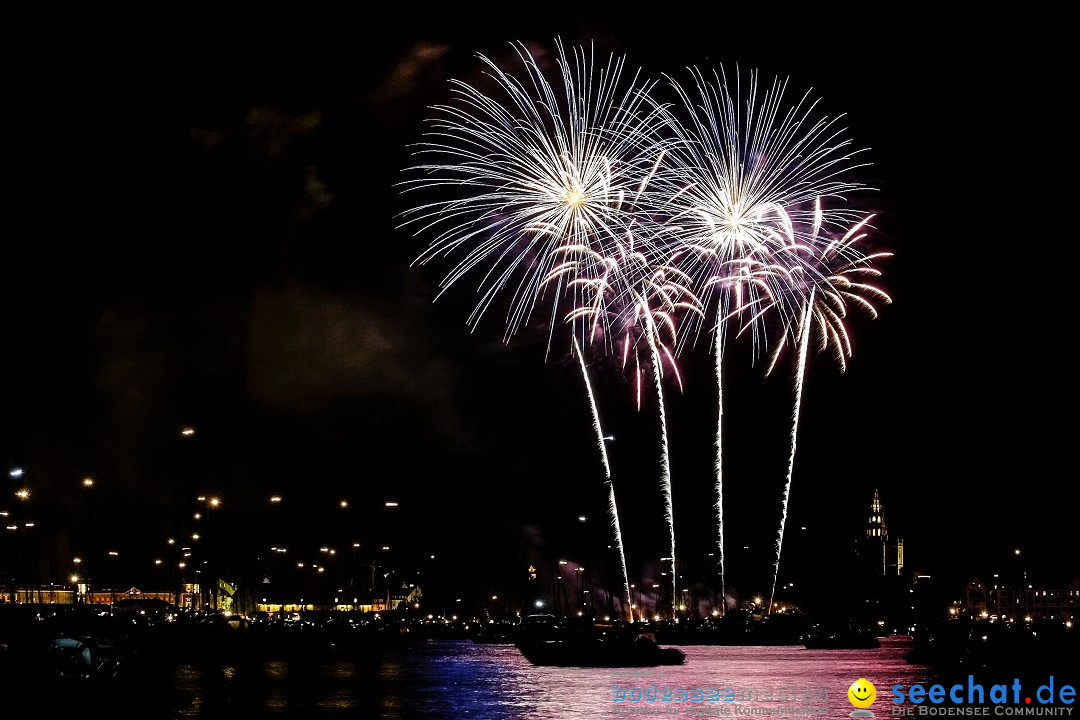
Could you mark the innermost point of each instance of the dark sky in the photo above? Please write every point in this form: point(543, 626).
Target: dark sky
point(202, 231)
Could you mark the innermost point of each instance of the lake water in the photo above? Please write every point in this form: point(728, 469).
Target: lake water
point(460, 679)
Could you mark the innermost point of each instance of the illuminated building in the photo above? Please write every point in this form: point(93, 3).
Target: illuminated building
point(1018, 604)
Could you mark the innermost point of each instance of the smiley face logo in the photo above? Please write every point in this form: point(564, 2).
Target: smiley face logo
point(862, 694)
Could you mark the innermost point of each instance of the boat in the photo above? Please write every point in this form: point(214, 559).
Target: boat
point(840, 638)
point(735, 628)
point(544, 642)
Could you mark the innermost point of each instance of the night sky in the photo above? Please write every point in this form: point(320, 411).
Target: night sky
point(203, 232)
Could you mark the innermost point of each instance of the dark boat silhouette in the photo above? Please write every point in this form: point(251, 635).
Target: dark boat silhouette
point(847, 637)
point(545, 642)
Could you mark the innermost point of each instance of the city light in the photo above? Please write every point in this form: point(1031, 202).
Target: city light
point(16, 473)
point(23, 494)
point(187, 431)
point(88, 482)
point(275, 498)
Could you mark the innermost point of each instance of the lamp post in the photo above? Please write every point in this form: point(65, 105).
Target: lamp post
point(112, 574)
point(23, 495)
point(85, 545)
point(211, 564)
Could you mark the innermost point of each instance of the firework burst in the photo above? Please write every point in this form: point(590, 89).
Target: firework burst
point(532, 184)
point(841, 276)
point(744, 167)
point(530, 167)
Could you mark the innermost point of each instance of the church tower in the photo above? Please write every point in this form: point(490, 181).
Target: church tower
point(876, 532)
point(885, 555)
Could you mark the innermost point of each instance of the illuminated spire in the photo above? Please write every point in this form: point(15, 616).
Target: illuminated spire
point(875, 525)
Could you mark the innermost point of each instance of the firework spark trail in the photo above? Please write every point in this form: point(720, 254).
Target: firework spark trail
point(824, 303)
point(613, 508)
point(803, 347)
point(719, 468)
point(636, 297)
point(665, 467)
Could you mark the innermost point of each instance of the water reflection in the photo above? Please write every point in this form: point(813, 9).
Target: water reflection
point(459, 679)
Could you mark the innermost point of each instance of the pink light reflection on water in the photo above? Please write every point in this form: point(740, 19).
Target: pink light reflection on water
point(453, 680)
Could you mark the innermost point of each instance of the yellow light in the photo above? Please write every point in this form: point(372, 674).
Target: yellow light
point(215, 502)
point(74, 578)
point(88, 482)
point(76, 560)
point(187, 432)
point(275, 498)
point(344, 503)
point(391, 504)
point(574, 198)
point(23, 494)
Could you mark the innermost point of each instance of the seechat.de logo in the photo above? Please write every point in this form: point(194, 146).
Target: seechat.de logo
point(862, 695)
